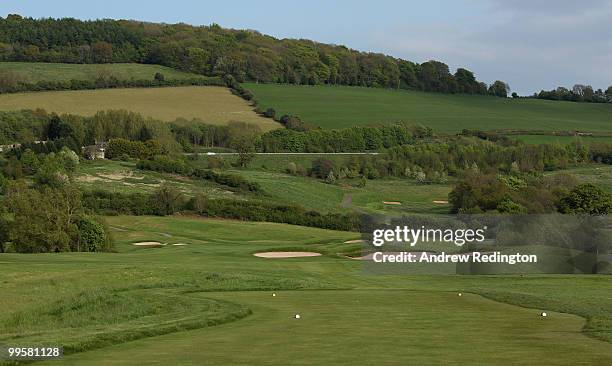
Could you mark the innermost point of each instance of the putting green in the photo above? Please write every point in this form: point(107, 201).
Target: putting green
point(367, 327)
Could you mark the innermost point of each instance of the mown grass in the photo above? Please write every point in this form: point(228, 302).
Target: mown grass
point(213, 105)
point(32, 72)
point(394, 326)
point(399, 319)
point(338, 107)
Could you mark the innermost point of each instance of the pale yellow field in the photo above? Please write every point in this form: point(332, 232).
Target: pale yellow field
point(211, 104)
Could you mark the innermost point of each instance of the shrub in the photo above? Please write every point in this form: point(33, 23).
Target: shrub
point(92, 236)
point(167, 200)
point(270, 113)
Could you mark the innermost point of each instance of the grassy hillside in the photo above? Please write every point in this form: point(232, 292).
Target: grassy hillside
point(410, 196)
point(214, 105)
point(549, 139)
point(277, 187)
point(203, 300)
point(32, 72)
point(336, 107)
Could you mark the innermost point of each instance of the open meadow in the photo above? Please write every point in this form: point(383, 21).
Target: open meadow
point(277, 186)
point(32, 72)
point(343, 106)
point(202, 296)
point(213, 105)
point(550, 139)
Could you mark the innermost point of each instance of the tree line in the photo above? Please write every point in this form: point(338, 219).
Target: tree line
point(215, 51)
point(168, 200)
point(578, 93)
point(435, 161)
point(528, 194)
point(353, 139)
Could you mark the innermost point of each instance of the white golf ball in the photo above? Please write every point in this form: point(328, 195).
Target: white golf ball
point(460, 294)
point(544, 314)
point(297, 316)
point(273, 295)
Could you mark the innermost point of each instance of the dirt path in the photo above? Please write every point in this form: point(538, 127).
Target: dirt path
point(347, 200)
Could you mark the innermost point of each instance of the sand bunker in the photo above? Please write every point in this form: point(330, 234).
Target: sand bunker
point(354, 241)
point(286, 254)
point(392, 203)
point(441, 202)
point(149, 244)
point(180, 244)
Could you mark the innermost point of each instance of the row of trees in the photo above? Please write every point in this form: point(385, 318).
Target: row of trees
point(212, 50)
point(578, 93)
point(354, 139)
point(31, 128)
point(167, 200)
point(522, 194)
point(434, 162)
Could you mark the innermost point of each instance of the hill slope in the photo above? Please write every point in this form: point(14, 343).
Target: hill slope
point(32, 72)
point(337, 107)
point(213, 50)
point(214, 105)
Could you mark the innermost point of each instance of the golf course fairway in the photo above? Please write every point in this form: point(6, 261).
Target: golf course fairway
point(210, 301)
point(368, 327)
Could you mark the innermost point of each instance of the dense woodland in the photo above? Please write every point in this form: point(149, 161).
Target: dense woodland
point(215, 51)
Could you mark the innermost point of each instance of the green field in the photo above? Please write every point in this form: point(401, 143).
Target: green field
point(32, 72)
point(210, 302)
point(600, 174)
point(278, 187)
point(346, 195)
point(550, 139)
point(338, 107)
point(214, 105)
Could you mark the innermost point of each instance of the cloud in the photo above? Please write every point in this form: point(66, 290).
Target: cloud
point(531, 44)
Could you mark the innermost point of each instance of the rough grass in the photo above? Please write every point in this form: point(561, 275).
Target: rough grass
point(121, 176)
point(32, 72)
point(97, 318)
point(213, 105)
point(338, 107)
point(277, 186)
point(345, 195)
point(599, 174)
point(563, 140)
